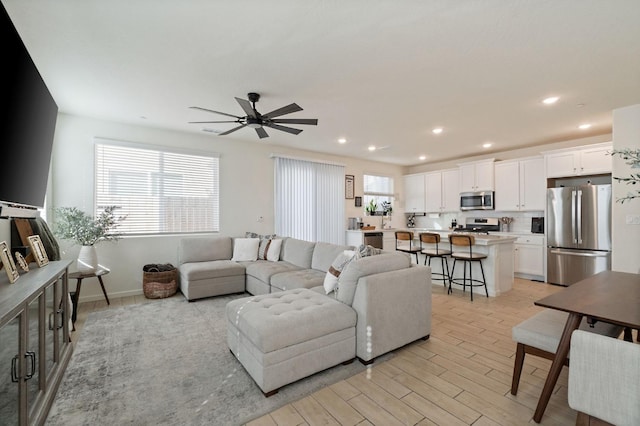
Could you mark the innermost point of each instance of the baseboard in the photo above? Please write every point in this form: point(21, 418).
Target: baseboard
point(112, 295)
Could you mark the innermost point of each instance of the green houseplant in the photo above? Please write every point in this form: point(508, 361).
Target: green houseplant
point(371, 207)
point(73, 224)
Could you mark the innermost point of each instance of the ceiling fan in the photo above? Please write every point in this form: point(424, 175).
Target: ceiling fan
point(258, 121)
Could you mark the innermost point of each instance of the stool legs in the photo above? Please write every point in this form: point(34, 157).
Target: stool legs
point(482, 282)
point(444, 263)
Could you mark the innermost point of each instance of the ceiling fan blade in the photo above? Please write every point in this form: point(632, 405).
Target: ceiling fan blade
point(282, 111)
point(311, 121)
point(195, 122)
point(215, 112)
point(246, 107)
point(232, 130)
point(262, 133)
point(283, 128)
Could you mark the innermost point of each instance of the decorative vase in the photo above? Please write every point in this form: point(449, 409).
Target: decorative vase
point(87, 259)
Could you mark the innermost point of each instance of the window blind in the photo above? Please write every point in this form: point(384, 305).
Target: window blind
point(309, 200)
point(159, 191)
point(379, 189)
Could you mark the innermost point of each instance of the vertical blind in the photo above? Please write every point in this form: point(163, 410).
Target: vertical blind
point(309, 200)
point(159, 191)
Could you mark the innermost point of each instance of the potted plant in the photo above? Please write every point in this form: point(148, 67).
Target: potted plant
point(72, 223)
point(371, 207)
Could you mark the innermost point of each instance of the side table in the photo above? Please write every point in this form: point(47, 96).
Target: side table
point(79, 276)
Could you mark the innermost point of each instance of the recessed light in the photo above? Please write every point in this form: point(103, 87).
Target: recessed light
point(372, 148)
point(584, 126)
point(423, 157)
point(550, 100)
point(487, 145)
point(437, 130)
point(342, 140)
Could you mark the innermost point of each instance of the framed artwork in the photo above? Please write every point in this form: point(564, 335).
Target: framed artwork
point(349, 184)
point(22, 263)
point(358, 201)
point(8, 263)
point(39, 253)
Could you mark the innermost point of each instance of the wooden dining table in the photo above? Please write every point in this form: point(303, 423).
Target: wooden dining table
point(609, 296)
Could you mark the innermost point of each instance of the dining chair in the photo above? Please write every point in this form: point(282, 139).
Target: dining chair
point(467, 256)
point(433, 250)
point(404, 242)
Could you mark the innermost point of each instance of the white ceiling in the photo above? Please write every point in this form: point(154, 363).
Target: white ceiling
point(381, 72)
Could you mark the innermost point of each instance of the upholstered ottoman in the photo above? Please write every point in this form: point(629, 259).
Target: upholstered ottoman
point(285, 336)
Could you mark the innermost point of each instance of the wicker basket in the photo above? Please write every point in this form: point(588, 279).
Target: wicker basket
point(158, 285)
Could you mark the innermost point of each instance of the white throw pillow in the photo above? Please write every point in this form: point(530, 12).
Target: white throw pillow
point(245, 249)
point(273, 252)
point(331, 278)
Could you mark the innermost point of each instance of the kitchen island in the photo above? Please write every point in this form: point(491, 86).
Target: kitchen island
point(498, 266)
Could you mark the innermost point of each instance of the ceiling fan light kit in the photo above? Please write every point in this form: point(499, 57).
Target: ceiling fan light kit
point(257, 121)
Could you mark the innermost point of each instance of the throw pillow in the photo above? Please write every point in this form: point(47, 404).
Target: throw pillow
point(273, 251)
point(331, 278)
point(265, 240)
point(367, 250)
point(245, 249)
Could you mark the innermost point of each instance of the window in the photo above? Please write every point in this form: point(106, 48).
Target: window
point(161, 191)
point(309, 200)
point(379, 189)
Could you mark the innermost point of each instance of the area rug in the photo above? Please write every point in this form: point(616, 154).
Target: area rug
point(167, 363)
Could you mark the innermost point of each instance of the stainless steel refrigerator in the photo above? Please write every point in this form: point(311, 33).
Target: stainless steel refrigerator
point(578, 232)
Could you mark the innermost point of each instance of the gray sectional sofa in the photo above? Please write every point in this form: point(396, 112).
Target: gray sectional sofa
point(289, 328)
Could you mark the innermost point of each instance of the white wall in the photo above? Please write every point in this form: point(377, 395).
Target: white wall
point(625, 255)
point(246, 192)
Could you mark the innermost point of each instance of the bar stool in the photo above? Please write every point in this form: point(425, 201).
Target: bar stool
point(468, 258)
point(402, 237)
point(430, 252)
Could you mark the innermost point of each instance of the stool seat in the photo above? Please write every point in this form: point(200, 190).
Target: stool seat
point(468, 256)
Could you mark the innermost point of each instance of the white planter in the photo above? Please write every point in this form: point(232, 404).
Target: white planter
point(87, 259)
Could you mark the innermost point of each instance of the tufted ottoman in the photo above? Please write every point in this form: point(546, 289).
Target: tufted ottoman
point(285, 336)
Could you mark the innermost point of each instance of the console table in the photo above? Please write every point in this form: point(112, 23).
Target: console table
point(35, 350)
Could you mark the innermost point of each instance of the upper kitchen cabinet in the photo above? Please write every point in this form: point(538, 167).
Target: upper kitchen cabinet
point(520, 185)
point(442, 191)
point(476, 176)
point(585, 160)
point(414, 189)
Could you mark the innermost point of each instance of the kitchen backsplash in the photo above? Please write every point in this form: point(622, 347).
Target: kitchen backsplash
point(521, 220)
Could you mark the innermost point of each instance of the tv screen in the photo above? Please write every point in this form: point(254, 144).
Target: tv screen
point(27, 123)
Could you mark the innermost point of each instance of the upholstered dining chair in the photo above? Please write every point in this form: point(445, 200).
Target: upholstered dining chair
point(432, 239)
point(404, 242)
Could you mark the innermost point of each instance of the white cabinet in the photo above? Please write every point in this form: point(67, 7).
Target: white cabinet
point(520, 185)
point(529, 256)
point(578, 161)
point(442, 191)
point(476, 176)
point(389, 240)
point(414, 188)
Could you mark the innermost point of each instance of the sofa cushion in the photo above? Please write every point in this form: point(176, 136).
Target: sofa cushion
point(200, 249)
point(278, 320)
point(324, 254)
point(264, 270)
point(365, 266)
point(303, 278)
point(338, 264)
point(213, 269)
point(245, 249)
point(297, 252)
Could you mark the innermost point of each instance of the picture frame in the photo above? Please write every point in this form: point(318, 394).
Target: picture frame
point(21, 261)
point(39, 253)
point(7, 261)
point(358, 202)
point(349, 186)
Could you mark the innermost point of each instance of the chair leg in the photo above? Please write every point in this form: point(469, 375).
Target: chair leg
point(517, 368)
point(425, 260)
point(446, 262)
point(451, 276)
point(471, 279)
point(444, 277)
point(484, 281)
point(464, 276)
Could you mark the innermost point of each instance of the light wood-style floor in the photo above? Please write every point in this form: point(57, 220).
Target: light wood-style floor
point(460, 376)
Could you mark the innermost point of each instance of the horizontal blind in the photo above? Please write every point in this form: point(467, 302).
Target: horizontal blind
point(160, 192)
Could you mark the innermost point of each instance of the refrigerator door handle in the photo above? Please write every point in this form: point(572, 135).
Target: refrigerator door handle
point(579, 216)
point(573, 216)
point(580, 253)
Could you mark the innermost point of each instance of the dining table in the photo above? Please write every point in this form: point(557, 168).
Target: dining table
point(609, 296)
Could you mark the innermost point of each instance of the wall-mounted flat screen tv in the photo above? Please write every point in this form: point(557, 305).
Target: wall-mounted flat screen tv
point(27, 123)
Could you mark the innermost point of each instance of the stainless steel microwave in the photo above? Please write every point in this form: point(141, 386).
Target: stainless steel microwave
point(477, 200)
